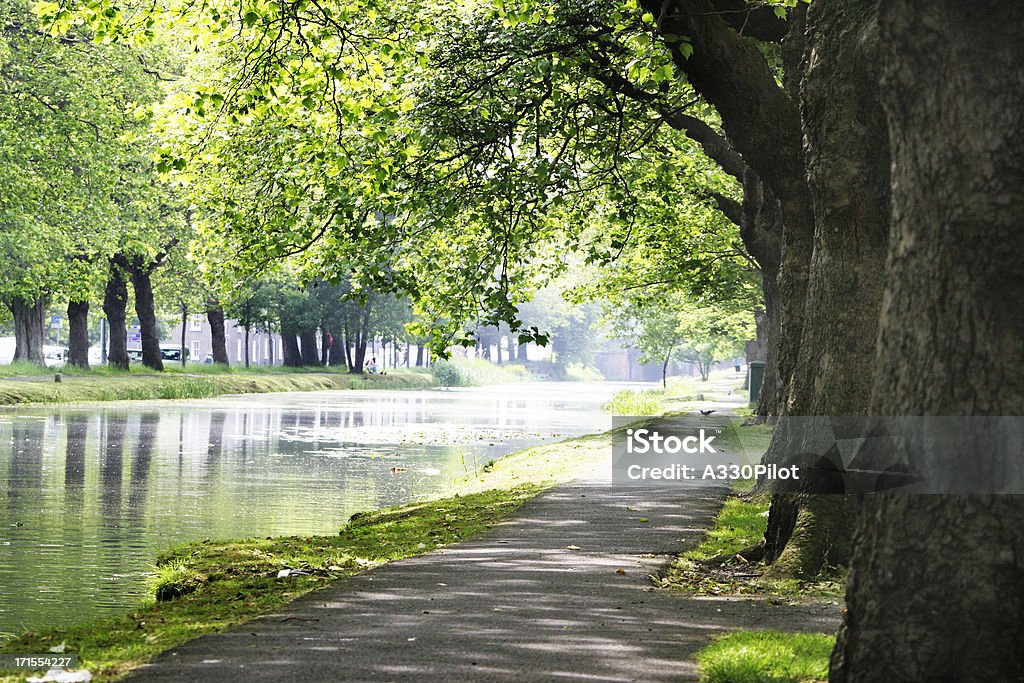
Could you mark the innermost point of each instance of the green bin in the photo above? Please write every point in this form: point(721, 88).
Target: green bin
point(756, 369)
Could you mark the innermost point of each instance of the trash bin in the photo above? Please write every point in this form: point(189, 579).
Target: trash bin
point(756, 380)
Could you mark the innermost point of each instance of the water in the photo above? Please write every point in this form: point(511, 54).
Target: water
point(89, 495)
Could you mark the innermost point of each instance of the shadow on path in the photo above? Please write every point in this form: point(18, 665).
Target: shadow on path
point(560, 591)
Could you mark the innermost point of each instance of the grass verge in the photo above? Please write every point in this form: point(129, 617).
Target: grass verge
point(106, 386)
point(728, 560)
point(210, 586)
point(766, 657)
point(464, 372)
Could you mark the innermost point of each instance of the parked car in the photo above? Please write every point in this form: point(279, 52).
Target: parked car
point(167, 352)
point(54, 356)
point(173, 353)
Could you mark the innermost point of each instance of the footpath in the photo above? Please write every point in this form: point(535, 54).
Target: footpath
point(559, 591)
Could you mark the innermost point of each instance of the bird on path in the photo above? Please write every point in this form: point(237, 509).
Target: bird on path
point(706, 412)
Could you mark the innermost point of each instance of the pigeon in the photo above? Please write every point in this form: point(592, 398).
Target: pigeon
point(706, 412)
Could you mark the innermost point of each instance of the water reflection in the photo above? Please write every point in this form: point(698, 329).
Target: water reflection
point(89, 496)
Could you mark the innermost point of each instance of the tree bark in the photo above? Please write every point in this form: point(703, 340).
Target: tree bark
point(761, 231)
point(419, 355)
point(935, 590)
point(310, 356)
point(29, 333)
point(848, 176)
point(115, 305)
point(245, 345)
point(763, 124)
point(215, 316)
point(78, 334)
point(142, 283)
point(291, 355)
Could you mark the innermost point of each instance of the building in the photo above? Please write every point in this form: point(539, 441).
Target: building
point(264, 347)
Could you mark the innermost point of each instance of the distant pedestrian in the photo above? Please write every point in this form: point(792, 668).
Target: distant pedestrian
point(371, 367)
point(737, 363)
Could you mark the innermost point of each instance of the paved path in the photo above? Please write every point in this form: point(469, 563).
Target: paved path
point(560, 591)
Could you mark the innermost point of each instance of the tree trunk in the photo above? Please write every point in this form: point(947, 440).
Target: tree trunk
point(336, 354)
point(848, 175)
point(761, 231)
point(142, 283)
point(361, 339)
point(291, 355)
point(936, 590)
point(29, 336)
point(325, 346)
point(115, 305)
point(215, 316)
point(78, 334)
point(419, 355)
point(184, 331)
point(245, 345)
point(310, 356)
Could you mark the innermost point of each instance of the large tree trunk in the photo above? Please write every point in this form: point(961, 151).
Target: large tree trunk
point(848, 175)
point(336, 351)
point(215, 316)
point(29, 334)
point(761, 231)
point(115, 305)
point(291, 355)
point(731, 73)
point(145, 308)
point(78, 334)
point(936, 590)
point(310, 356)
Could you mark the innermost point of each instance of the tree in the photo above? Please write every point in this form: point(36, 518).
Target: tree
point(929, 570)
point(178, 286)
point(69, 132)
point(671, 329)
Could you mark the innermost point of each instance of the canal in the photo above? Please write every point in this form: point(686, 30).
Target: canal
point(90, 494)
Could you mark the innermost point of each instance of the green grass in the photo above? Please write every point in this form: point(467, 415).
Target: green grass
point(106, 385)
point(463, 372)
point(739, 525)
point(582, 373)
point(766, 657)
point(210, 586)
point(639, 403)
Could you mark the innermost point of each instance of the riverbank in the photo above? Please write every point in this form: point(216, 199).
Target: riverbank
point(210, 586)
point(127, 386)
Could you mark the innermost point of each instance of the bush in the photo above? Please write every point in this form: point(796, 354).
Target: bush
point(466, 373)
point(447, 374)
point(638, 403)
